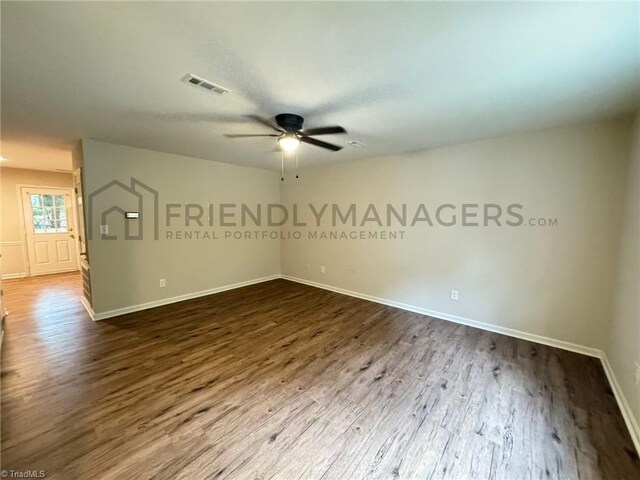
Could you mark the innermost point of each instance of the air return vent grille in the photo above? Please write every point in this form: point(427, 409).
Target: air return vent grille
point(204, 84)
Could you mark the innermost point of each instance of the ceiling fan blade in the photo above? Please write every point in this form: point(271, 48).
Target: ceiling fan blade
point(320, 143)
point(266, 122)
point(241, 135)
point(324, 130)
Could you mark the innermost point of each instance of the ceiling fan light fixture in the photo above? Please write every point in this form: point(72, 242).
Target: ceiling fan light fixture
point(289, 142)
point(290, 134)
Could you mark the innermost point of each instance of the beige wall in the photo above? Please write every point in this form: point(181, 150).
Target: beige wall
point(623, 348)
point(126, 273)
point(555, 281)
point(578, 281)
point(14, 257)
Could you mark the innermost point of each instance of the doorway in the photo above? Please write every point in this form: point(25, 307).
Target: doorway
point(50, 230)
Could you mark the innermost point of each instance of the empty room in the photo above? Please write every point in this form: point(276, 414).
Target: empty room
point(320, 240)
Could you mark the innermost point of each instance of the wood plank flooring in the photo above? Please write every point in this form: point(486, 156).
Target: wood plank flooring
point(285, 381)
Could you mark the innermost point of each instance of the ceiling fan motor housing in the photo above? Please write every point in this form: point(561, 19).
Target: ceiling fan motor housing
point(289, 121)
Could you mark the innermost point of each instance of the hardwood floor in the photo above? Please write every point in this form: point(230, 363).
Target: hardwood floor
point(280, 380)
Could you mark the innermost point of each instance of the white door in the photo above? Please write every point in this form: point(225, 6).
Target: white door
point(50, 230)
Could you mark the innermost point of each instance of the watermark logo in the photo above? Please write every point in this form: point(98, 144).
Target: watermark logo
point(23, 474)
point(134, 212)
point(117, 199)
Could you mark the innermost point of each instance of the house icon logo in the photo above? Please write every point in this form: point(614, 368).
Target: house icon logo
point(115, 199)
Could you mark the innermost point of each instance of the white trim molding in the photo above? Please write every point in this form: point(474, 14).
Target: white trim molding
point(87, 307)
point(23, 263)
point(625, 408)
point(627, 414)
point(55, 273)
point(623, 404)
point(179, 298)
point(592, 352)
point(9, 276)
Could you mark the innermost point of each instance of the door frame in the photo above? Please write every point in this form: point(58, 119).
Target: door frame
point(23, 224)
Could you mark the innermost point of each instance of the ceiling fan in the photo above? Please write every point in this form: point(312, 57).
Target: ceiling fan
point(290, 132)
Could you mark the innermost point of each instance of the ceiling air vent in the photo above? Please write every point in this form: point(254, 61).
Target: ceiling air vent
point(204, 84)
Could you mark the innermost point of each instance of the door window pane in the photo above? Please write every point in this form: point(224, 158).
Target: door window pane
point(49, 213)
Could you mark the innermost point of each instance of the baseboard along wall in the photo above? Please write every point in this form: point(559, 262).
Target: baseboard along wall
point(623, 404)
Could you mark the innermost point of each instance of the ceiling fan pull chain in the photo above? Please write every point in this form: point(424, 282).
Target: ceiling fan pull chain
point(296, 164)
point(282, 166)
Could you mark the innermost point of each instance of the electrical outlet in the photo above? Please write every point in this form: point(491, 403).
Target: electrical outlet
point(322, 269)
point(163, 282)
point(637, 374)
point(104, 229)
point(308, 267)
point(454, 294)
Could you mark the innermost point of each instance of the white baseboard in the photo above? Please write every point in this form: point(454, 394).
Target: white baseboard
point(625, 408)
point(8, 276)
point(55, 273)
point(592, 352)
point(627, 414)
point(87, 307)
point(179, 298)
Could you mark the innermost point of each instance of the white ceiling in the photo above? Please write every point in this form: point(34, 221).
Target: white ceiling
point(399, 77)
